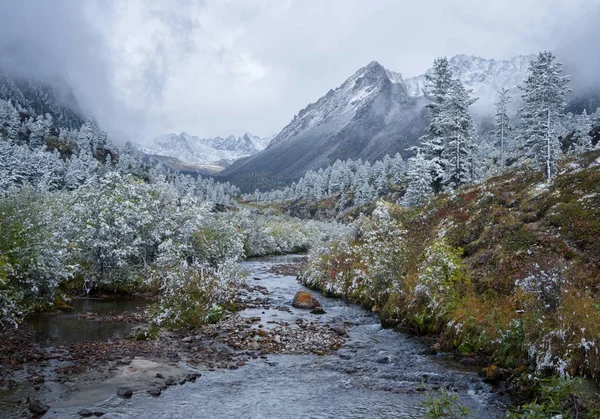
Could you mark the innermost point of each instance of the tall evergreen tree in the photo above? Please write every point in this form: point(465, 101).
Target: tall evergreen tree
point(503, 128)
point(544, 102)
point(438, 84)
point(419, 181)
point(459, 141)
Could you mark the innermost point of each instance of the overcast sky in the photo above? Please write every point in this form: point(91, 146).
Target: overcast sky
point(146, 67)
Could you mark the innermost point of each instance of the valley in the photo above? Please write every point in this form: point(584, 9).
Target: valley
point(405, 246)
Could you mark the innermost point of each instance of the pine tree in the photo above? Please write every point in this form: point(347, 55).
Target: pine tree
point(503, 128)
point(544, 97)
point(419, 181)
point(460, 137)
point(397, 169)
point(437, 87)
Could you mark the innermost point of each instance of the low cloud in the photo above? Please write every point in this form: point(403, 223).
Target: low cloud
point(142, 68)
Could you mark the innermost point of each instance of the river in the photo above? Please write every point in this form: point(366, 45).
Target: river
point(377, 373)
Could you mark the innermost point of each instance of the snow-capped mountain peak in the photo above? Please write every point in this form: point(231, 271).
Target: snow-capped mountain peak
point(485, 77)
point(340, 105)
point(205, 151)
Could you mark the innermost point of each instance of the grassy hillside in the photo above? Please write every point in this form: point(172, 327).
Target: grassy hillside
point(507, 271)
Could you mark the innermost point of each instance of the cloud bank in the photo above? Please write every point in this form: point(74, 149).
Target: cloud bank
point(142, 68)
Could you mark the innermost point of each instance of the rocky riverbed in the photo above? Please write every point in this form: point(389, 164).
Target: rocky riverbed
point(237, 367)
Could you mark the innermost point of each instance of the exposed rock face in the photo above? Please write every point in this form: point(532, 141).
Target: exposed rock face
point(304, 299)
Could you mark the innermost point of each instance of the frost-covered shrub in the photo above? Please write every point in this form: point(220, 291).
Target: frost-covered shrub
point(117, 223)
point(365, 267)
point(442, 280)
point(217, 240)
point(544, 286)
point(32, 252)
point(269, 235)
point(194, 293)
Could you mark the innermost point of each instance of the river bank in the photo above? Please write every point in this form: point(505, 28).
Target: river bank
point(344, 351)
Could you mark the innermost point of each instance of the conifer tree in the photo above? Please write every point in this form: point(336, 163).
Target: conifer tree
point(503, 128)
point(544, 94)
point(419, 181)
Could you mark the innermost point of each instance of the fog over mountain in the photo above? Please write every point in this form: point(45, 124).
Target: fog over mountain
point(213, 68)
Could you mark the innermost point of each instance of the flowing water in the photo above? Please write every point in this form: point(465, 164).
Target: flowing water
point(378, 373)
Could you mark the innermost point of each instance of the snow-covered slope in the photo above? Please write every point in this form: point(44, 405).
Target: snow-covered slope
point(205, 151)
point(371, 114)
point(485, 77)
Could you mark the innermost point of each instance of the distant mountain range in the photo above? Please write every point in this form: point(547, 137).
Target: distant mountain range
point(485, 78)
point(373, 113)
point(212, 154)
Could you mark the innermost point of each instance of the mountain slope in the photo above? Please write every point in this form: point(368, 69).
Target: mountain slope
point(33, 97)
point(371, 114)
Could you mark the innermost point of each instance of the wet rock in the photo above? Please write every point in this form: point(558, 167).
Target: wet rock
point(170, 382)
point(36, 379)
point(38, 408)
point(191, 377)
point(155, 392)
point(85, 413)
point(492, 374)
point(98, 413)
point(340, 330)
point(125, 392)
point(159, 375)
point(386, 359)
point(434, 349)
point(304, 299)
point(483, 258)
point(318, 310)
point(389, 322)
point(187, 339)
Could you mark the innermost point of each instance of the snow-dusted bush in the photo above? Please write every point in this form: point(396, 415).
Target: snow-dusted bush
point(441, 281)
point(365, 266)
point(194, 293)
point(117, 223)
point(270, 235)
point(32, 252)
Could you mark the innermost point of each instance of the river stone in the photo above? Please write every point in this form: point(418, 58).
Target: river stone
point(304, 299)
point(155, 392)
point(37, 407)
point(318, 310)
point(85, 413)
point(191, 377)
point(125, 392)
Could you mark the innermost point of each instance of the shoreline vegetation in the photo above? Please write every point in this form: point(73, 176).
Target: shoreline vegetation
point(503, 273)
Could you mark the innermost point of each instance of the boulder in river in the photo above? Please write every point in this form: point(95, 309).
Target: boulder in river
point(85, 413)
point(304, 299)
point(38, 408)
point(125, 392)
